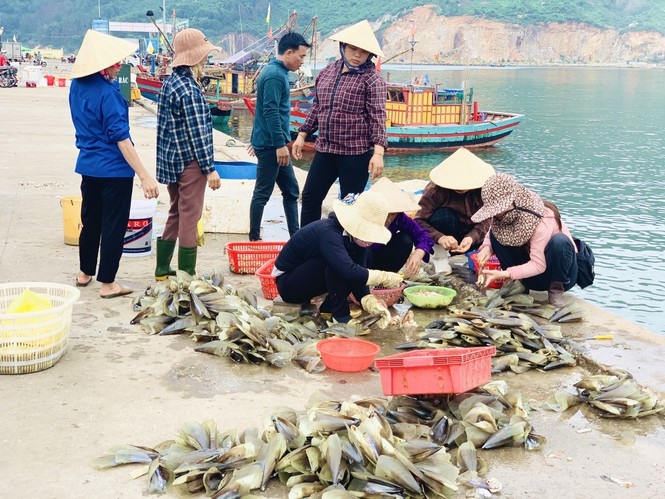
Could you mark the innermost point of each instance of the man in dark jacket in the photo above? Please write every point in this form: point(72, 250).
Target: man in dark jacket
point(271, 134)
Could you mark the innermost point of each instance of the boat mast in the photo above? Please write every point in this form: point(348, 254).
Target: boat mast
point(413, 44)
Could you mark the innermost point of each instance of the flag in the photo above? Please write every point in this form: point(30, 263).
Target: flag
point(268, 16)
point(151, 49)
point(378, 65)
point(15, 39)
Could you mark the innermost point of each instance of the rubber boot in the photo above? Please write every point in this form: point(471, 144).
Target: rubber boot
point(165, 250)
point(187, 259)
point(555, 294)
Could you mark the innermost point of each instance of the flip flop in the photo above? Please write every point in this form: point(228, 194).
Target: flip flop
point(122, 292)
point(82, 284)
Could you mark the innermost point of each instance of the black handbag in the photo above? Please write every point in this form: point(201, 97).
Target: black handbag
point(585, 264)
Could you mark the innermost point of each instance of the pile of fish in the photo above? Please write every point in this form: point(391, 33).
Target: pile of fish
point(367, 448)
point(229, 322)
point(503, 322)
point(614, 396)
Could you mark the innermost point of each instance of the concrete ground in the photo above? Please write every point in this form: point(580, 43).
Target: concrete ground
point(117, 385)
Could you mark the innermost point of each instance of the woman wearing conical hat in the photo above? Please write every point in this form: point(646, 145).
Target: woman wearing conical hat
point(349, 112)
point(107, 160)
point(409, 243)
point(449, 201)
point(329, 256)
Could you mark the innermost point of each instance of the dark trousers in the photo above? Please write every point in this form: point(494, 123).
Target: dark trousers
point(352, 172)
point(314, 278)
point(447, 221)
point(104, 215)
point(393, 255)
point(186, 197)
point(559, 256)
point(267, 173)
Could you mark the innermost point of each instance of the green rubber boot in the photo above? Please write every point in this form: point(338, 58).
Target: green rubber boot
point(165, 250)
point(187, 259)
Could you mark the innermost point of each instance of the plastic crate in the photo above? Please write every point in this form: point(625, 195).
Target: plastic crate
point(246, 257)
point(424, 372)
point(268, 281)
point(492, 264)
point(33, 341)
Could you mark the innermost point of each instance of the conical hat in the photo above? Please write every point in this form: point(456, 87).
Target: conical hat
point(461, 171)
point(360, 35)
point(365, 218)
point(398, 200)
point(99, 51)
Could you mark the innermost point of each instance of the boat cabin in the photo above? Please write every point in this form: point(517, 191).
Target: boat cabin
point(428, 105)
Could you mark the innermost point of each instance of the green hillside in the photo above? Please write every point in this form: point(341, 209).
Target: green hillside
point(62, 24)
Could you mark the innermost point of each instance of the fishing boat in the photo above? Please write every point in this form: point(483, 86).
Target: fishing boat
point(430, 118)
point(220, 106)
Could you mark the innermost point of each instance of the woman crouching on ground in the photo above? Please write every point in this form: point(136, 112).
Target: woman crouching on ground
point(528, 237)
point(326, 256)
point(409, 243)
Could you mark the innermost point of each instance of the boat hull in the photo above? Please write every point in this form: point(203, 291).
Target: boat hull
point(494, 128)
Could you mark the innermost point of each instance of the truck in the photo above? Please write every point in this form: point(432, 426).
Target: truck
point(13, 51)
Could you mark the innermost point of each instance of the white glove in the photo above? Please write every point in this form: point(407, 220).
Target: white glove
point(372, 305)
point(385, 279)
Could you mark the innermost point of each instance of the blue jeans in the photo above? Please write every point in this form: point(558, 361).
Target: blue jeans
point(267, 173)
point(559, 257)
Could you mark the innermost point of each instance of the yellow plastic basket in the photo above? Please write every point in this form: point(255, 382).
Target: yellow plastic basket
point(33, 341)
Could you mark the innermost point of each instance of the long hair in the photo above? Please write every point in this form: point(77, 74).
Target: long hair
point(555, 210)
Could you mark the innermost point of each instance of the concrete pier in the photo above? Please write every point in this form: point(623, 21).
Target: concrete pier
point(118, 385)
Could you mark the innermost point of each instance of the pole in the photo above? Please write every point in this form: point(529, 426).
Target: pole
point(242, 38)
point(99, 9)
point(164, 21)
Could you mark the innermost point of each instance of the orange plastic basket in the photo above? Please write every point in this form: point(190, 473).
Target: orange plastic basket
point(268, 281)
point(245, 257)
point(424, 372)
point(492, 264)
point(347, 354)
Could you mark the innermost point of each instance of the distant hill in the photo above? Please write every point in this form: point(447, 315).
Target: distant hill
point(63, 24)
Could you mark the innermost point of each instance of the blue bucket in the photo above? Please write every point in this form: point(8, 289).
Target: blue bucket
point(236, 170)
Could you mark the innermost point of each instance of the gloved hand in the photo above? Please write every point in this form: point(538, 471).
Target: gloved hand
point(372, 305)
point(385, 279)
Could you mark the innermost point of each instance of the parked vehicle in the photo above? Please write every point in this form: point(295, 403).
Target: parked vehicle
point(41, 63)
point(8, 77)
point(12, 51)
point(71, 59)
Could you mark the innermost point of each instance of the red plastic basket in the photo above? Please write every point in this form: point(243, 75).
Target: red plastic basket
point(246, 257)
point(347, 354)
point(492, 264)
point(390, 296)
point(424, 372)
point(268, 281)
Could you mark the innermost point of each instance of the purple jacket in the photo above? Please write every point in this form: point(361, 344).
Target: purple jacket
point(421, 239)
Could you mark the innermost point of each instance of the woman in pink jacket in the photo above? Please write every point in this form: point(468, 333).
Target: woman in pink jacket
point(528, 237)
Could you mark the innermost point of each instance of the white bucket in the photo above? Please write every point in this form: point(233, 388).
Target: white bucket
point(138, 236)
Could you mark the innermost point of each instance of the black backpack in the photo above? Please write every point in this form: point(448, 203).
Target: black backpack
point(585, 263)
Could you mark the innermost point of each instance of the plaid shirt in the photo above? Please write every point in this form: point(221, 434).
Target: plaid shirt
point(465, 205)
point(184, 127)
point(349, 111)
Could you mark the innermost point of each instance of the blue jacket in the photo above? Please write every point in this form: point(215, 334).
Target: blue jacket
point(101, 119)
point(325, 238)
point(273, 107)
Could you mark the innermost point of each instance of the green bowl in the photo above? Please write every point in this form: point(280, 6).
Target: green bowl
point(445, 296)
